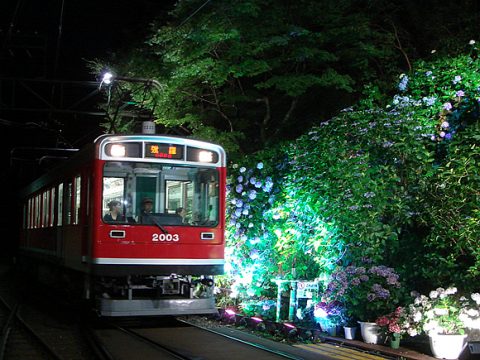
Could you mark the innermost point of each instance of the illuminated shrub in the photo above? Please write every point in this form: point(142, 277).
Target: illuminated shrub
point(395, 180)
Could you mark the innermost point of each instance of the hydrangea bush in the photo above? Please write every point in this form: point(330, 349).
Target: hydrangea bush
point(366, 291)
point(443, 311)
point(394, 179)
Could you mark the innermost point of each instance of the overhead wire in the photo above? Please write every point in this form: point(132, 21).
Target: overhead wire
point(193, 14)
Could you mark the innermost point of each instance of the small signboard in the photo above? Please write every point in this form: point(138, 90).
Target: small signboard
point(306, 289)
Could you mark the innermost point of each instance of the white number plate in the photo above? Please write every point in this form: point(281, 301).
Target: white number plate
point(165, 237)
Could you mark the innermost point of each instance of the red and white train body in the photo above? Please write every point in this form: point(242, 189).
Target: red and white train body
point(139, 264)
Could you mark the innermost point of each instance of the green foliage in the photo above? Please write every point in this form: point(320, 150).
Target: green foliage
point(393, 180)
point(253, 69)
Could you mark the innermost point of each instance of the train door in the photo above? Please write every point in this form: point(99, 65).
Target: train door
point(146, 187)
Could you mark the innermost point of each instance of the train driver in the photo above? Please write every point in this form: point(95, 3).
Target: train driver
point(115, 212)
point(147, 210)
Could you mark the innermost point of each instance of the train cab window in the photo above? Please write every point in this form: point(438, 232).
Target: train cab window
point(175, 194)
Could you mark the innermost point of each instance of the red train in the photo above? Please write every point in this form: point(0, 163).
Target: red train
point(136, 221)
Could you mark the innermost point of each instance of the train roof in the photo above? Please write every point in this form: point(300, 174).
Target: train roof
point(92, 149)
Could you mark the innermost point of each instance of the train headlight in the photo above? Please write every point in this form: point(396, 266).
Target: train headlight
point(117, 150)
point(205, 156)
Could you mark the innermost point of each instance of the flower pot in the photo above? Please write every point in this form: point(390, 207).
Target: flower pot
point(395, 340)
point(331, 330)
point(447, 346)
point(371, 333)
point(350, 332)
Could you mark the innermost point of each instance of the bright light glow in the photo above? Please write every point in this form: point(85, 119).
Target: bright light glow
point(205, 156)
point(117, 150)
point(230, 312)
point(107, 78)
point(291, 326)
point(319, 313)
point(257, 319)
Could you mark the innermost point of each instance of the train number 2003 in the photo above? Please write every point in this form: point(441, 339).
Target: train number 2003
point(165, 237)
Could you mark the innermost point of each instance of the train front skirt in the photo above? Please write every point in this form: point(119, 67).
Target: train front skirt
point(152, 307)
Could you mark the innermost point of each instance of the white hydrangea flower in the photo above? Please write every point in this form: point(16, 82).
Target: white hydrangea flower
point(476, 298)
point(440, 311)
point(417, 316)
point(450, 290)
point(412, 332)
point(472, 312)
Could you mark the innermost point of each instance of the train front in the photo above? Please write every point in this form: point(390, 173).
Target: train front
point(158, 220)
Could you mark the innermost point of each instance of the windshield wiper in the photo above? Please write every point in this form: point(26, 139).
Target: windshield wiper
point(155, 221)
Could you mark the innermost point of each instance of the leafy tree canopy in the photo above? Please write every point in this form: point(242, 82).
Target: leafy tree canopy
point(256, 70)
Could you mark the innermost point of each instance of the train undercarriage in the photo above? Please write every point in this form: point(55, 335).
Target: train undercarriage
point(154, 295)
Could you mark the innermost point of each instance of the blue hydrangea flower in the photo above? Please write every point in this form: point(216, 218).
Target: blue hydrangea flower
point(252, 194)
point(239, 188)
point(402, 86)
point(457, 79)
point(243, 169)
point(447, 106)
point(260, 166)
point(240, 178)
point(429, 101)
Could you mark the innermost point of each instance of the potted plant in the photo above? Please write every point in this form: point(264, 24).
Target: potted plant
point(366, 292)
point(350, 327)
point(391, 326)
point(444, 316)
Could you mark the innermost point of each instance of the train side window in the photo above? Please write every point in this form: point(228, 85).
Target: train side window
point(113, 189)
point(45, 196)
point(68, 203)
point(60, 205)
point(37, 210)
point(52, 206)
point(77, 197)
point(29, 214)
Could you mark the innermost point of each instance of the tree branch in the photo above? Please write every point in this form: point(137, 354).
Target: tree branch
point(266, 118)
point(399, 47)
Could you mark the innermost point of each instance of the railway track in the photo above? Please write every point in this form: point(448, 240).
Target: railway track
point(18, 339)
point(42, 328)
point(34, 326)
point(177, 340)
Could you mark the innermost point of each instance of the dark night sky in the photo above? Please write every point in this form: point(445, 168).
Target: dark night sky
point(39, 40)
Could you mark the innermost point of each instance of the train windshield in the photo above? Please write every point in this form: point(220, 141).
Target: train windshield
point(160, 194)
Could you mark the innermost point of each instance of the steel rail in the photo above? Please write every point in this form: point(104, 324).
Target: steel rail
point(15, 317)
point(153, 343)
point(258, 346)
